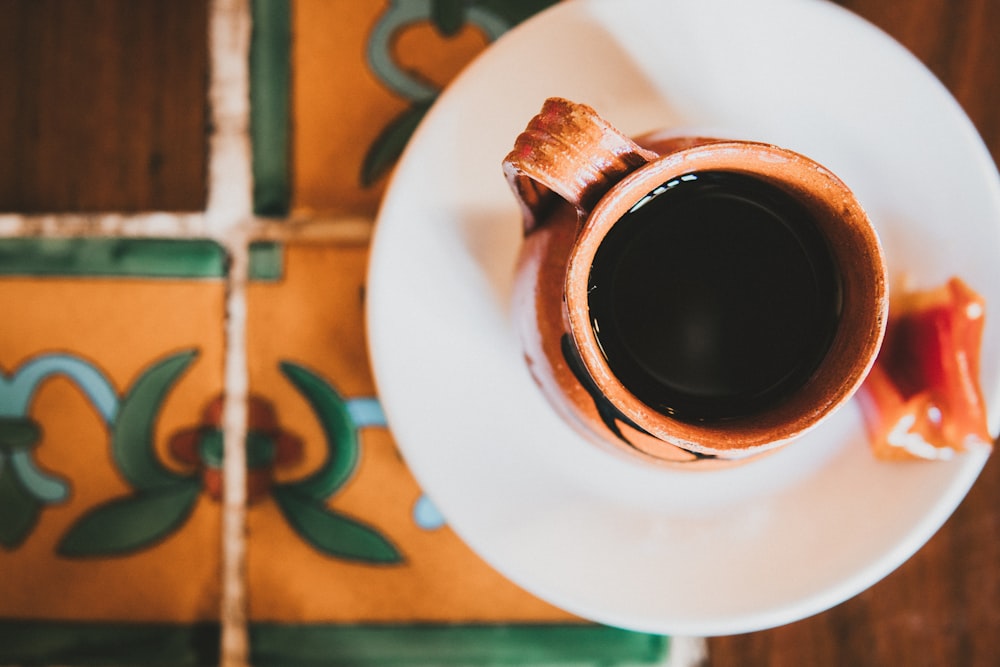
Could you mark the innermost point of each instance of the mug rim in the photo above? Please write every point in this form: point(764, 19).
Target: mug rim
point(848, 230)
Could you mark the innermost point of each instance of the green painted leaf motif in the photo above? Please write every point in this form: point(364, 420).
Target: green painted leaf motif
point(133, 430)
point(341, 437)
point(18, 508)
point(211, 447)
point(18, 433)
point(514, 11)
point(131, 523)
point(334, 533)
point(448, 16)
point(389, 144)
point(261, 449)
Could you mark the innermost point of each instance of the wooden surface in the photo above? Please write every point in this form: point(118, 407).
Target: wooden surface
point(103, 105)
point(942, 607)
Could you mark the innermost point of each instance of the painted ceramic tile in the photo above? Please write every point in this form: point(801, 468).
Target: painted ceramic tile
point(345, 553)
point(109, 535)
point(363, 75)
point(340, 531)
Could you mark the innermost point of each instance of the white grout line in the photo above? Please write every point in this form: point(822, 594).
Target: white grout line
point(687, 652)
point(235, 637)
point(229, 209)
point(230, 180)
point(151, 224)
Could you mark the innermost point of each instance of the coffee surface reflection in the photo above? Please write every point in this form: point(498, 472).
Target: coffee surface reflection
point(714, 297)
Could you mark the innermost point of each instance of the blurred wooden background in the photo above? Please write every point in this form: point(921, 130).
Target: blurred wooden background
point(103, 105)
point(103, 109)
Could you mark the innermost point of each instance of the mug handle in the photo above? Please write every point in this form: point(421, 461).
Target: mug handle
point(570, 150)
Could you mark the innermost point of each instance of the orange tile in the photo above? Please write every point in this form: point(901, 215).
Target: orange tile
point(307, 359)
point(100, 366)
point(363, 74)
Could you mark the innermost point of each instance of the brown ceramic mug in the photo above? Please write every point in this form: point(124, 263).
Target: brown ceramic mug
point(695, 300)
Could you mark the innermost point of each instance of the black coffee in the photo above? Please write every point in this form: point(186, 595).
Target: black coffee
point(714, 297)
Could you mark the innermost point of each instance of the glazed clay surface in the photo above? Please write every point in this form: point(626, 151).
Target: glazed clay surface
point(568, 211)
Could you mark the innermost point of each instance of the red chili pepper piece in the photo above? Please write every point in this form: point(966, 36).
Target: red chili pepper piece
point(922, 399)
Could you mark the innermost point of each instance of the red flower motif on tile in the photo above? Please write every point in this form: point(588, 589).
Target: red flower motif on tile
point(268, 447)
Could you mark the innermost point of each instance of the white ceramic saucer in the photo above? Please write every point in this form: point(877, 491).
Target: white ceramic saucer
point(653, 550)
